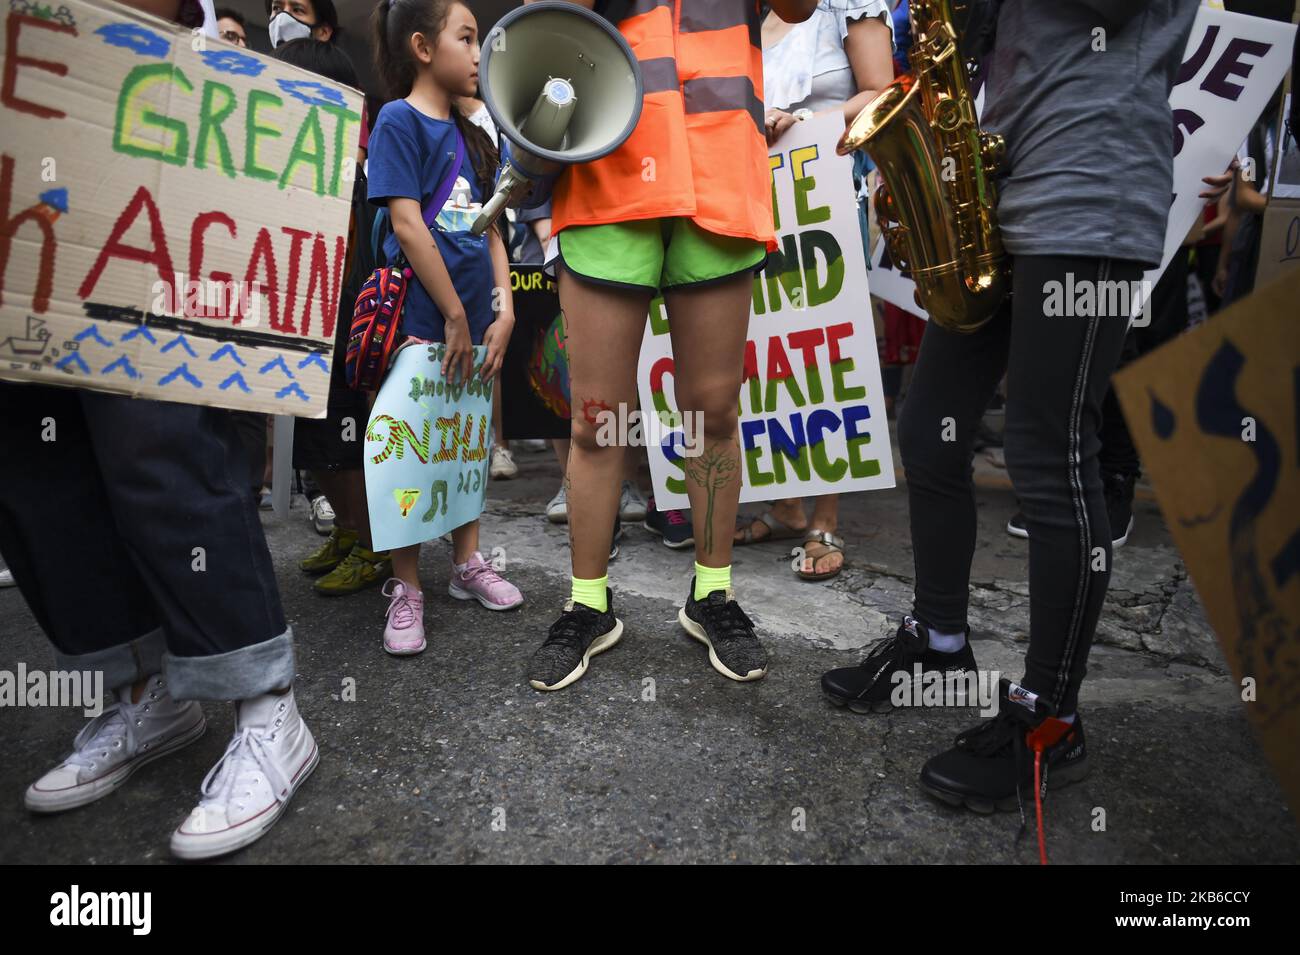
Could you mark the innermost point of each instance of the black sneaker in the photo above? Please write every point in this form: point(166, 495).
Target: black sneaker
point(673, 526)
point(1016, 526)
point(869, 686)
point(573, 640)
point(991, 766)
point(718, 622)
point(1119, 505)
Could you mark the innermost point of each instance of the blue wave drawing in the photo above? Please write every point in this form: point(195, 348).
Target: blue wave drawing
point(123, 364)
point(72, 358)
point(183, 342)
point(235, 379)
point(292, 389)
point(180, 371)
point(92, 332)
point(277, 362)
point(316, 358)
point(140, 330)
point(227, 351)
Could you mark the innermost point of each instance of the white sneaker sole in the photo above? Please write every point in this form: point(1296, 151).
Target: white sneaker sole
point(599, 645)
point(48, 801)
point(460, 594)
point(1123, 538)
point(558, 517)
point(193, 848)
point(696, 631)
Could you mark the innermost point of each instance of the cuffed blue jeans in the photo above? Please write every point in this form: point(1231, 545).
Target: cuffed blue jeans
point(132, 532)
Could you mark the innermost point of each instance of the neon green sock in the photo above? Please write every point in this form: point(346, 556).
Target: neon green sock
point(590, 593)
point(709, 579)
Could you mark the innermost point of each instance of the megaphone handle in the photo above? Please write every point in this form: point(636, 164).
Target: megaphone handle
point(492, 209)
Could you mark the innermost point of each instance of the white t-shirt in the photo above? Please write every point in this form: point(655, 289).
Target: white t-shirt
point(209, 18)
point(808, 68)
point(483, 118)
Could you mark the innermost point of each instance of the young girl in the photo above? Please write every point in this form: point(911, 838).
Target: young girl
point(427, 54)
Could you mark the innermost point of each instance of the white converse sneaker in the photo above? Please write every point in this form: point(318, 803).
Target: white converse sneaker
point(115, 744)
point(243, 795)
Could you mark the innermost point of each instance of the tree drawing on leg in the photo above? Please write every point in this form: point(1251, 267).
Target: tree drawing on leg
point(712, 470)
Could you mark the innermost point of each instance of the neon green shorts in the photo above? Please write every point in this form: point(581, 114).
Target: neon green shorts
point(656, 254)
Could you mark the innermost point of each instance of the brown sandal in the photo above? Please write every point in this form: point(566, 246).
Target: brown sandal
point(777, 529)
point(833, 543)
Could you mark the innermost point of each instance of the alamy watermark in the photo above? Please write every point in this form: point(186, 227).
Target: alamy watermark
point(210, 298)
point(133, 910)
point(928, 688)
point(83, 688)
point(622, 427)
point(1086, 298)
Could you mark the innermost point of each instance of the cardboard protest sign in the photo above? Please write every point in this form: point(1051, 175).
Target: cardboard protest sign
point(173, 211)
point(812, 413)
point(427, 449)
point(1279, 242)
point(1232, 65)
point(1215, 415)
point(535, 374)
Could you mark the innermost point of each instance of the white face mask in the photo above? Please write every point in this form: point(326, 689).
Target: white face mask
point(284, 27)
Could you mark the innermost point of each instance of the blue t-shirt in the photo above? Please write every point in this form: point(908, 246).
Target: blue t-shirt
point(409, 155)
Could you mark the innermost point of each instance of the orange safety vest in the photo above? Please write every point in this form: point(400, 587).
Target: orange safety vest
point(701, 124)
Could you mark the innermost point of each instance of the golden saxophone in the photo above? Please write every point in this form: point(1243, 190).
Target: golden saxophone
point(936, 201)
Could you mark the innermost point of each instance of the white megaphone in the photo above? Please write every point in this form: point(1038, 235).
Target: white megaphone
point(563, 87)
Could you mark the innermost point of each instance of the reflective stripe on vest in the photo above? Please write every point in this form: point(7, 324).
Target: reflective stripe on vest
point(698, 149)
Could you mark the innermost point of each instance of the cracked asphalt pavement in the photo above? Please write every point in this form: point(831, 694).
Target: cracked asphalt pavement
point(652, 757)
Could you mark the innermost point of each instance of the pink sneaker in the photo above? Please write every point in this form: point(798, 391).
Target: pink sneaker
point(404, 633)
point(480, 582)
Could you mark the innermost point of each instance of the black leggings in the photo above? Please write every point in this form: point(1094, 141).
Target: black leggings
point(1058, 369)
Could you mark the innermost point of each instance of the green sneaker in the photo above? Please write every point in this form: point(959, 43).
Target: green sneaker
point(360, 569)
point(331, 553)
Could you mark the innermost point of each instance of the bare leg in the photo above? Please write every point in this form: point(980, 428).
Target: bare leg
point(406, 565)
point(464, 541)
point(497, 429)
point(788, 511)
point(604, 327)
point(826, 516)
point(561, 448)
point(631, 463)
point(708, 327)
